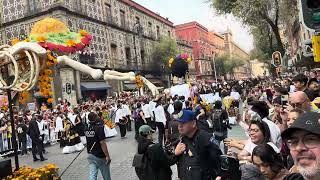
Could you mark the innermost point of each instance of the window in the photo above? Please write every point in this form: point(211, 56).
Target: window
point(137, 19)
point(142, 57)
point(108, 12)
point(158, 32)
point(114, 51)
point(87, 59)
point(169, 33)
point(128, 55)
point(122, 18)
point(150, 28)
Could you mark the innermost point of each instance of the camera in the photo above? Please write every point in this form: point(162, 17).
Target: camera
point(284, 100)
point(230, 168)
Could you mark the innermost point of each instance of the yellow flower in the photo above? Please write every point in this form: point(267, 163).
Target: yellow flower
point(71, 43)
point(27, 40)
point(41, 39)
point(15, 41)
point(189, 60)
point(170, 61)
point(83, 32)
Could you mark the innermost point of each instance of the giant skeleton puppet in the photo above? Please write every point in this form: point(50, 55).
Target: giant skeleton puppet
point(179, 71)
point(31, 61)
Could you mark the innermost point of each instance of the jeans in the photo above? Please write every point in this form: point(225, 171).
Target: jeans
point(96, 163)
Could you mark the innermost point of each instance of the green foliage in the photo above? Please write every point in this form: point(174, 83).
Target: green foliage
point(227, 65)
point(166, 49)
point(162, 52)
point(254, 13)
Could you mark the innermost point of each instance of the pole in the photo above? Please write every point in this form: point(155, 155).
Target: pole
point(13, 129)
point(14, 141)
point(215, 71)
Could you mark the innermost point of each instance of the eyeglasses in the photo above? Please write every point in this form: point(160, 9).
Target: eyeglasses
point(309, 141)
point(298, 105)
point(254, 130)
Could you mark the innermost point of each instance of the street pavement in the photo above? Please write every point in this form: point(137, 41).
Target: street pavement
point(121, 151)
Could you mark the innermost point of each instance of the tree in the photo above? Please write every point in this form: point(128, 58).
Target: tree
point(226, 65)
point(162, 52)
point(253, 13)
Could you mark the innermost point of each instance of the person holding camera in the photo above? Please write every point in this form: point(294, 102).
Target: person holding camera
point(156, 161)
point(198, 155)
point(98, 154)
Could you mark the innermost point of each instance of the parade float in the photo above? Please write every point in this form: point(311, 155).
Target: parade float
point(30, 63)
point(179, 72)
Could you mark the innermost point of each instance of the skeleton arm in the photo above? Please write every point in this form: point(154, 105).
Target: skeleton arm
point(95, 73)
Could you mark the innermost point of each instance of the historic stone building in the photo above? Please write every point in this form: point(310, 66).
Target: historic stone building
point(124, 34)
point(202, 49)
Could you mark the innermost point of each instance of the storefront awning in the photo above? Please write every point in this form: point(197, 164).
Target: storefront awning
point(91, 86)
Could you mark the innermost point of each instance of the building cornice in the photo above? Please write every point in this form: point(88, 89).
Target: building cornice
point(148, 12)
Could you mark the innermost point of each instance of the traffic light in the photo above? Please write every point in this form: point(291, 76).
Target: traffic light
point(310, 11)
point(316, 47)
point(276, 58)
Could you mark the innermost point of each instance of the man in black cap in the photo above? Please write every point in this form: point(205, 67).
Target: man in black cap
point(303, 140)
point(98, 154)
point(199, 156)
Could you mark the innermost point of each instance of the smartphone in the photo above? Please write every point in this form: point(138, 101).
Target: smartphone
point(230, 167)
point(284, 100)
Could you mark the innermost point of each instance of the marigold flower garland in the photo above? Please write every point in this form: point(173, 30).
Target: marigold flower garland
point(139, 82)
point(48, 172)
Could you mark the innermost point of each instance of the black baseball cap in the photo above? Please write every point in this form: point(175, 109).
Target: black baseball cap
point(309, 122)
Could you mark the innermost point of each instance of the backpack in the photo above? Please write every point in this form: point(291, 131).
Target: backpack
point(143, 167)
point(218, 125)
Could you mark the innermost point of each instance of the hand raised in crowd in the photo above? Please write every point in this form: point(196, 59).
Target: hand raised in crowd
point(181, 147)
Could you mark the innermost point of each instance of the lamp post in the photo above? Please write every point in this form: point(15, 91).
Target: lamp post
point(138, 30)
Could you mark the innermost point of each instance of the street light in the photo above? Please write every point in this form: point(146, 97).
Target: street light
point(138, 30)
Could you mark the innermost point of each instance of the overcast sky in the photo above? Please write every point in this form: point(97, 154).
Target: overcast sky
point(182, 11)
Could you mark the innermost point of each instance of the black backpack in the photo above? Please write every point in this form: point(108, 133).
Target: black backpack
point(218, 126)
point(142, 165)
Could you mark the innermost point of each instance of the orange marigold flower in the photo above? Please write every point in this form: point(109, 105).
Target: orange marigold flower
point(83, 32)
point(71, 43)
point(15, 41)
point(50, 100)
point(41, 39)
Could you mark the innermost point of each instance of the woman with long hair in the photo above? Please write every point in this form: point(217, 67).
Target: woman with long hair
point(269, 162)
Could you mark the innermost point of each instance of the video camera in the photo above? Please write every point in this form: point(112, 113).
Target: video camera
point(230, 168)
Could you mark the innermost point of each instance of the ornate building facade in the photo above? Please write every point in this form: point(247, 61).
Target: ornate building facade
point(124, 35)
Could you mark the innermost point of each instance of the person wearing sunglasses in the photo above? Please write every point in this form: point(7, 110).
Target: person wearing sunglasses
point(303, 140)
point(300, 100)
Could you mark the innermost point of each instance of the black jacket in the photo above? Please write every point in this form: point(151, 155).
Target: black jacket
point(158, 159)
point(201, 160)
point(33, 130)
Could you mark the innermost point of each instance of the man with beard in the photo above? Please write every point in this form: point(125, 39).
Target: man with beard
point(303, 140)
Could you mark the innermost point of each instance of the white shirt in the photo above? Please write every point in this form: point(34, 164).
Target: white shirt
point(59, 125)
point(160, 115)
point(121, 112)
point(41, 127)
point(146, 110)
point(250, 146)
point(274, 132)
point(170, 109)
point(72, 118)
point(128, 111)
point(152, 105)
point(235, 95)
